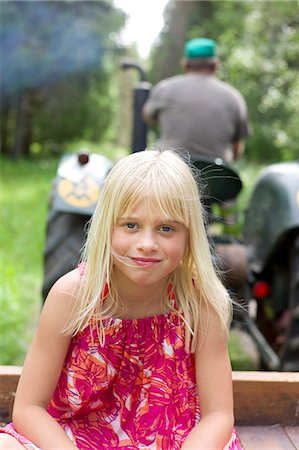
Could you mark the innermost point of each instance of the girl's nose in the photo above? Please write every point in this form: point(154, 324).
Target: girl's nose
point(147, 242)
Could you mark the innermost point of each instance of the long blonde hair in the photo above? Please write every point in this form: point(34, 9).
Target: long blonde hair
point(168, 184)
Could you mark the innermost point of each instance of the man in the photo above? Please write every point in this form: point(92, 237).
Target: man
point(198, 112)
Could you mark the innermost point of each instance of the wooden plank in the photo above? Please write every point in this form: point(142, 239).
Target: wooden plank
point(261, 398)
point(264, 437)
point(266, 398)
point(293, 434)
point(9, 377)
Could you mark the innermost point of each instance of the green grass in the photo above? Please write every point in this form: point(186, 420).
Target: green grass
point(248, 173)
point(242, 351)
point(25, 187)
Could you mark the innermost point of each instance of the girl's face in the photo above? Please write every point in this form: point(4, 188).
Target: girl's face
point(146, 248)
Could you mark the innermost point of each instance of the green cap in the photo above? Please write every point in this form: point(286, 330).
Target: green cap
point(200, 48)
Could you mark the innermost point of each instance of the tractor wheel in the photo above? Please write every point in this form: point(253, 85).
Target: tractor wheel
point(64, 240)
point(290, 351)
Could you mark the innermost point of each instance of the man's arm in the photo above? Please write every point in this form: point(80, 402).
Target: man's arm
point(148, 118)
point(242, 127)
point(154, 104)
point(238, 148)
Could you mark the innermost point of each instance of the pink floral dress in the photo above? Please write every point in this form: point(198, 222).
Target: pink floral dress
point(138, 391)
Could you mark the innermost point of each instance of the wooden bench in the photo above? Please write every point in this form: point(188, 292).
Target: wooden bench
point(266, 407)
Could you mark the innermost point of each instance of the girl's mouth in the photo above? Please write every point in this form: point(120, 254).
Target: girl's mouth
point(146, 262)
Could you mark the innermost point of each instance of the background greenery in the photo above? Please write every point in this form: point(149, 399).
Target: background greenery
point(61, 78)
point(62, 88)
point(259, 52)
point(25, 186)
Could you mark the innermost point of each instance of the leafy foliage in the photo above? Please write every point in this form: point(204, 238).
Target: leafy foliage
point(75, 108)
point(259, 52)
point(55, 76)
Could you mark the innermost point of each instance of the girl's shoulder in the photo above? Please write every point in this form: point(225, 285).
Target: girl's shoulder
point(68, 282)
point(58, 308)
point(65, 289)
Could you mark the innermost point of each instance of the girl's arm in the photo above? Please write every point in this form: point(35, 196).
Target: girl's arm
point(214, 383)
point(42, 369)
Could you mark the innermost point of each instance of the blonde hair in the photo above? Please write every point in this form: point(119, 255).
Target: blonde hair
point(164, 180)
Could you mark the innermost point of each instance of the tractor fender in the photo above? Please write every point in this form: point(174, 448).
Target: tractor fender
point(273, 212)
point(79, 181)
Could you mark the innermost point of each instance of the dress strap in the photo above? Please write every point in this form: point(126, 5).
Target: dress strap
point(82, 266)
point(171, 295)
point(105, 292)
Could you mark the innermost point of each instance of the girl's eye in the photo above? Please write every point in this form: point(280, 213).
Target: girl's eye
point(166, 229)
point(130, 226)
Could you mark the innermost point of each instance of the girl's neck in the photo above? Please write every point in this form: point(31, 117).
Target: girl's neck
point(141, 301)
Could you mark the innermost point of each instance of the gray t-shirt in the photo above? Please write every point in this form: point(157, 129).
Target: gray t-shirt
point(199, 113)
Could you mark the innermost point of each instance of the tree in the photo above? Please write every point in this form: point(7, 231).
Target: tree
point(54, 77)
point(259, 53)
point(270, 78)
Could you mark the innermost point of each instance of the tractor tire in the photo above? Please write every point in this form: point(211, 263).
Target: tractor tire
point(290, 351)
point(65, 237)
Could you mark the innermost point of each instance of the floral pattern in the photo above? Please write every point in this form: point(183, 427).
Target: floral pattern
point(138, 391)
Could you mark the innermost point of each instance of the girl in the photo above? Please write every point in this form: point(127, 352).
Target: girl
point(131, 349)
